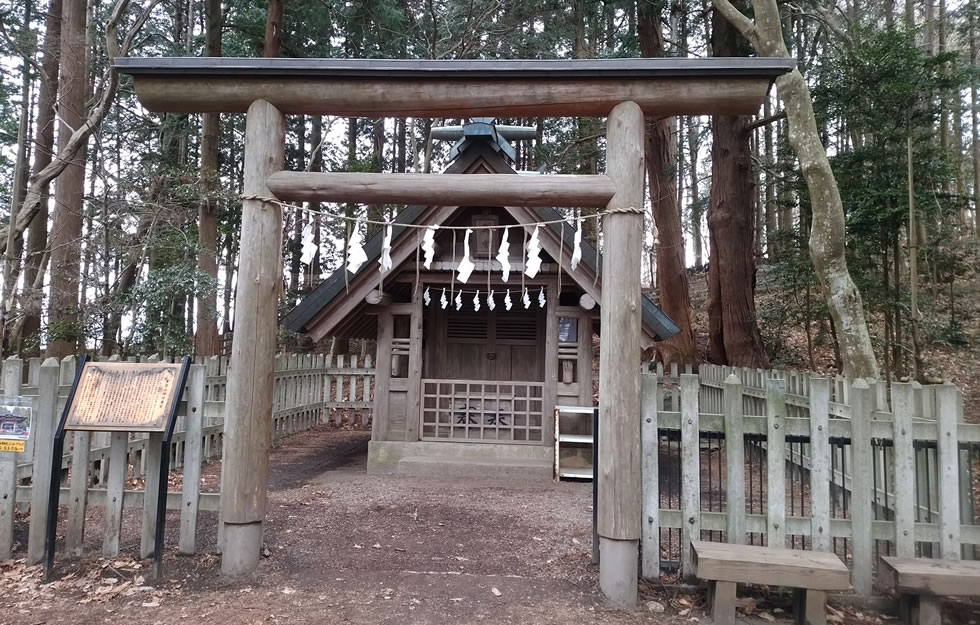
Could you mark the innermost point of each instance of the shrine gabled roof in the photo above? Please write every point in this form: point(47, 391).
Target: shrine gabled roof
point(655, 322)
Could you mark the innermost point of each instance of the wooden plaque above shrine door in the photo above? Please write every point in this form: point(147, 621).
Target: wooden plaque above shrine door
point(485, 345)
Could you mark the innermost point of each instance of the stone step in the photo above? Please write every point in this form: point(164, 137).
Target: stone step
point(497, 469)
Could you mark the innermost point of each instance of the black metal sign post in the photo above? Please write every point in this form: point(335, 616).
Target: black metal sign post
point(54, 490)
point(165, 470)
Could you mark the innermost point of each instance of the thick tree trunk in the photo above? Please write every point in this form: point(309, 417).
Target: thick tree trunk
point(671, 268)
point(272, 43)
point(66, 232)
point(15, 243)
point(827, 232)
point(974, 117)
point(206, 338)
point(735, 338)
point(37, 233)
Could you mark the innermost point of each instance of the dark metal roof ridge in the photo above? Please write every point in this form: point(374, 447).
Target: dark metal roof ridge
point(670, 67)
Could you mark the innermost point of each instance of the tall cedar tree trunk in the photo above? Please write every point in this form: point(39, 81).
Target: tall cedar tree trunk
point(273, 29)
point(974, 117)
point(66, 232)
point(671, 270)
point(827, 230)
point(15, 242)
point(772, 227)
point(206, 340)
point(316, 164)
point(586, 127)
point(697, 210)
point(299, 218)
point(733, 333)
point(37, 233)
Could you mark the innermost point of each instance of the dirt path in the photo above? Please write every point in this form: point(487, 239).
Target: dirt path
point(346, 547)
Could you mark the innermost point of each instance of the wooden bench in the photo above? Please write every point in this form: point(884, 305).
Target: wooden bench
point(810, 573)
point(921, 584)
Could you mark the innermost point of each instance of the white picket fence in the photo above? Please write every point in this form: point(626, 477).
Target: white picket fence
point(869, 469)
point(309, 390)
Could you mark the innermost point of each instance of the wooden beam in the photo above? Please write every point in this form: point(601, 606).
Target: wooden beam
point(586, 301)
point(619, 471)
point(453, 97)
point(443, 190)
point(245, 468)
point(378, 297)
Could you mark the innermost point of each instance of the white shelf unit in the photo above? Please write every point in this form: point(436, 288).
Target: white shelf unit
point(566, 440)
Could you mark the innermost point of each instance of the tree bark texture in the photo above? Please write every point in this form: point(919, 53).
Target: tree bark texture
point(734, 337)
point(15, 243)
point(272, 43)
point(206, 338)
point(827, 231)
point(37, 233)
point(66, 232)
point(671, 269)
point(974, 116)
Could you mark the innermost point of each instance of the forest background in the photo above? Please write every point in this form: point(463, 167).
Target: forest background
point(119, 227)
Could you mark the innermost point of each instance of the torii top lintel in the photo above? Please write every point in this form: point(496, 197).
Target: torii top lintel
point(410, 88)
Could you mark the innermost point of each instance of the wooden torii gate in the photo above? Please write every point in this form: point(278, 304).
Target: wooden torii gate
point(625, 90)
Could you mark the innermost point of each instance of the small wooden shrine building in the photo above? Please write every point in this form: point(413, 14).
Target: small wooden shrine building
point(468, 372)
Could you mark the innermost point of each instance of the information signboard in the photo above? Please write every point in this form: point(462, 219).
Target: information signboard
point(16, 420)
point(124, 397)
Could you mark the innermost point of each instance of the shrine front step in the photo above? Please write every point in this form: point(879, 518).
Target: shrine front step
point(477, 468)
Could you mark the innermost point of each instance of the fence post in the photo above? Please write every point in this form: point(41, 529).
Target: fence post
point(734, 460)
point(13, 370)
point(78, 488)
point(190, 499)
point(33, 371)
point(650, 436)
point(776, 463)
point(690, 470)
point(970, 552)
point(861, 487)
point(46, 423)
point(820, 476)
point(947, 446)
point(903, 458)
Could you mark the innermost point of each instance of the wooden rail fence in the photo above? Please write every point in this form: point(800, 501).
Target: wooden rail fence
point(822, 464)
point(309, 390)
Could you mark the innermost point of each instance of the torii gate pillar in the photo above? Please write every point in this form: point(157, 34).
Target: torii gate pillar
point(248, 408)
point(619, 352)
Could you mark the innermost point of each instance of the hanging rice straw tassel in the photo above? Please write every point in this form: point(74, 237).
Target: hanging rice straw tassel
point(466, 265)
point(428, 246)
point(503, 255)
point(355, 250)
point(533, 255)
point(577, 245)
point(385, 260)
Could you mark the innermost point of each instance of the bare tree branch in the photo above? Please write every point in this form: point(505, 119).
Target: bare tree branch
point(765, 121)
point(738, 20)
point(106, 94)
